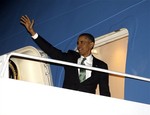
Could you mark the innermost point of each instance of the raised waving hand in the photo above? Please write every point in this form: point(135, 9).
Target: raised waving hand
point(25, 20)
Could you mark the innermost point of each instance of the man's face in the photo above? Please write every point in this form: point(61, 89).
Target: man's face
point(84, 46)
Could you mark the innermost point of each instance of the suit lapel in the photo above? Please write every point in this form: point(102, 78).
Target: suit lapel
point(94, 62)
point(94, 65)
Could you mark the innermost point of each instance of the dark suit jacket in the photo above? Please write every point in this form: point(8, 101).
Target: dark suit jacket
point(71, 80)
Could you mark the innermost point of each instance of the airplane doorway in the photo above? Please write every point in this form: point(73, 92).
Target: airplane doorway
point(112, 48)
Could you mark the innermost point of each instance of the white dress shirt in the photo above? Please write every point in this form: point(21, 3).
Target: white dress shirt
point(35, 36)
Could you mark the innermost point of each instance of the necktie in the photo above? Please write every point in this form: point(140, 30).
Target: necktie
point(82, 75)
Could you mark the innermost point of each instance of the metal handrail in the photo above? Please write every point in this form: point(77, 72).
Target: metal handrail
point(29, 57)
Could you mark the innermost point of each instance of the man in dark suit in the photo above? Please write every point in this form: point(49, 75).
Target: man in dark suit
point(72, 78)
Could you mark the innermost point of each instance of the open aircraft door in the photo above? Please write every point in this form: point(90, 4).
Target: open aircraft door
point(30, 70)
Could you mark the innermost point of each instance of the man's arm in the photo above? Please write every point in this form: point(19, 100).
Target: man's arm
point(104, 81)
point(48, 48)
